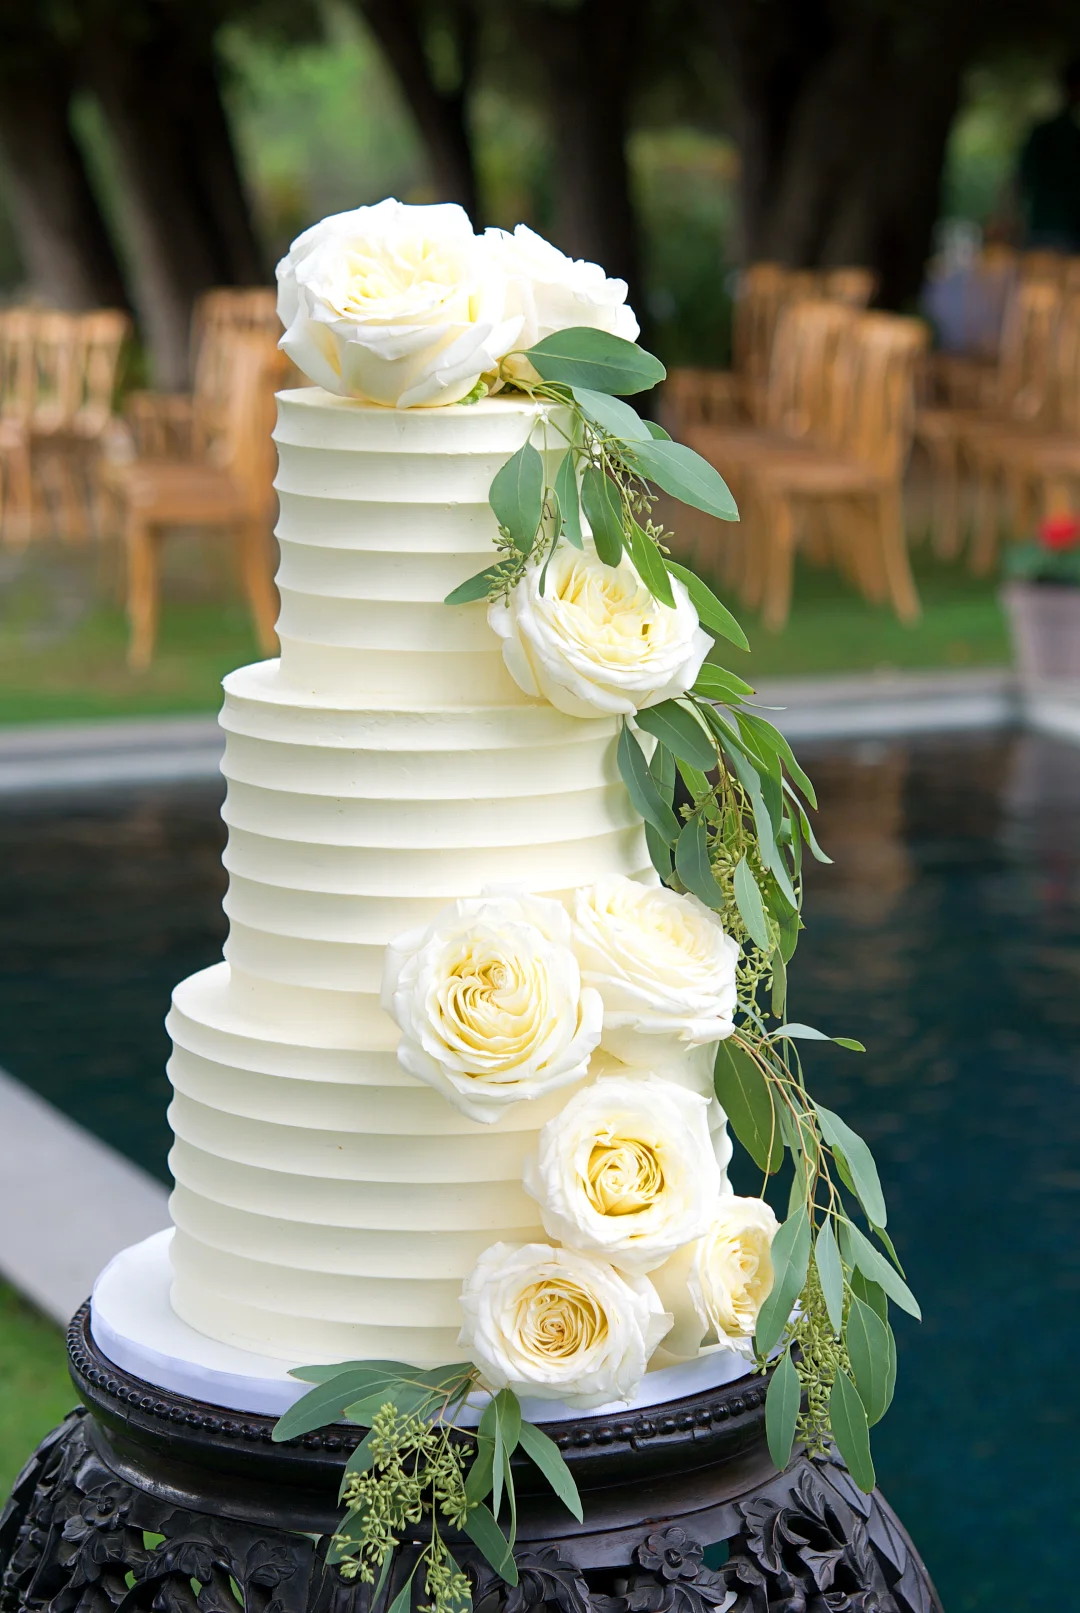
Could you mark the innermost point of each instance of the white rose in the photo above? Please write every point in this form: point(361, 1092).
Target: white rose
point(553, 292)
point(663, 966)
point(627, 1170)
point(490, 1004)
point(551, 1324)
point(596, 640)
point(397, 305)
point(716, 1287)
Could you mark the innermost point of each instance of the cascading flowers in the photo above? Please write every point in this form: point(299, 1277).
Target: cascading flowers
point(661, 1010)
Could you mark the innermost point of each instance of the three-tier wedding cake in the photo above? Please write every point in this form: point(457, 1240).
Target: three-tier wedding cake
point(450, 1091)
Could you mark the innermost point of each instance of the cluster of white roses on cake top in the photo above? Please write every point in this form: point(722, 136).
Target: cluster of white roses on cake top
point(506, 997)
point(408, 307)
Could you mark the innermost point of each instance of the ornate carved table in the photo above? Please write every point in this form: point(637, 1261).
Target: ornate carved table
point(144, 1499)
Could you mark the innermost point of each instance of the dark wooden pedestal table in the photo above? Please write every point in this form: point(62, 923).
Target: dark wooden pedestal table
point(144, 1499)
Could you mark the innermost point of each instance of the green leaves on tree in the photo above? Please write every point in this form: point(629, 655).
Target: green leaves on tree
point(584, 357)
point(746, 1097)
point(517, 497)
point(851, 1431)
point(782, 1410)
point(685, 475)
point(603, 509)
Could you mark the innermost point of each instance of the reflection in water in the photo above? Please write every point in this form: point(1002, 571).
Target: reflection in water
point(946, 936)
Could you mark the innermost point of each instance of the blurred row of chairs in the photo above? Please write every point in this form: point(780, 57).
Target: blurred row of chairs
point(203, 459)
point(818, 463)
point(1009, 424)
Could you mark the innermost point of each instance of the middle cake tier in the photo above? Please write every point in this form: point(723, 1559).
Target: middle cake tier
point(329, 1205)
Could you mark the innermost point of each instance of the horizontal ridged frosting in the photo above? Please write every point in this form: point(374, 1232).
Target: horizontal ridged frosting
point(327, 1203)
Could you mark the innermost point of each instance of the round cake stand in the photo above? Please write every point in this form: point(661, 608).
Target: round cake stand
point(144, 1499)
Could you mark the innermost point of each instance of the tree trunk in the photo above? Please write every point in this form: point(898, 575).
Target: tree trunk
point(65, 246)
point(187, 216)
point(441, 113)
point(588, 55)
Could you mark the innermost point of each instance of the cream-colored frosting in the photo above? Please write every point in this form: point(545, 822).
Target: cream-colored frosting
point(329, 1205)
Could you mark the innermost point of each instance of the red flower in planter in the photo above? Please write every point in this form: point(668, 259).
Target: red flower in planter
point(1060, 532)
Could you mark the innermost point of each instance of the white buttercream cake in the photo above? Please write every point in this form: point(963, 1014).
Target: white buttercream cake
point(328, 1205)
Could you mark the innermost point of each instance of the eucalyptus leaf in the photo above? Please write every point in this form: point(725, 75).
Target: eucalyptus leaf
point(767, 734)
point(867, 1340)
point(870, 1293)
point(517, 497)
point(566, 491)
point(685, 475)
point(716, 683)
point(680, 730)
point(548, 1458)
point(641, 786)
point(887, 1241)
point(890, 1378)
point(381, 1369)
point(403, 1600)
point(658, 431)
point(327, 1401)
point(807, 1033)
point(662, 768)
point(851, 1431)
point(485, 1534)
point(583, 356)
point(860, 1161)
point(778, 993)
point(410, 1400)
point(479, 1478)
point(359, 1462)
point(804, 823)
point(615, 418)
point(476, 587)
point(791, 1260)
point(603, 508)
point(748, 901)
point(693, 867)
point(711, 614)
point(789, 936)
point(660, 853)
point(831, 1274)
point(744, 1094)
point(859, 1251)
point(782, 1402)
point(649, 565)
point(695, 781)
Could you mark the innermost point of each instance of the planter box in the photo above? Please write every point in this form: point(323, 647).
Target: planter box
point(1044, 619)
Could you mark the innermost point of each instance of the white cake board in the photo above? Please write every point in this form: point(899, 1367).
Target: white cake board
point(133, 1323)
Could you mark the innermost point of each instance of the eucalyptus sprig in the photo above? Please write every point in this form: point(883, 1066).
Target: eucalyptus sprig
point(735, 838)
point(418, 1470)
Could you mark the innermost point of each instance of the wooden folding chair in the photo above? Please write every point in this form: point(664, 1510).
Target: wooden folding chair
point(1040, 471)
point(852, 285)
point(228, 483)
point(856, 489)
point(16, 404)
point(1019, 399)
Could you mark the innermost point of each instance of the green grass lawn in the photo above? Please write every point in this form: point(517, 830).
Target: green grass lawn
point(78, 671)
point(35, 1390)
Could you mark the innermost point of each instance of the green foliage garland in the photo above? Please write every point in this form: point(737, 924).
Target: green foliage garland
point(737, 843)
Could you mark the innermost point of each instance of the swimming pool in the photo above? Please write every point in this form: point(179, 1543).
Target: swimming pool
point(947, 937)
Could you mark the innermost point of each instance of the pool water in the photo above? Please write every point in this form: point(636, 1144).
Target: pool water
point(946, 937)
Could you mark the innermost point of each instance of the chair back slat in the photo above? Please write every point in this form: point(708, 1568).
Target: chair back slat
point(1025, 366)
point(875, 379)
point(100, 338)
point(240, 371)
point(802, 401)
point(852, 285)
point(16, 363)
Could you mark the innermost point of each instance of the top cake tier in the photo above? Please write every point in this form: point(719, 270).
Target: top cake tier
point(383, 513)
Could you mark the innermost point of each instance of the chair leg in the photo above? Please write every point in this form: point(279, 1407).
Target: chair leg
point(779, 524)
point(16, 508)
point(258, 584)
point(863, 554)
point(892, 536)
point(143, 544)
point(987, 522)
